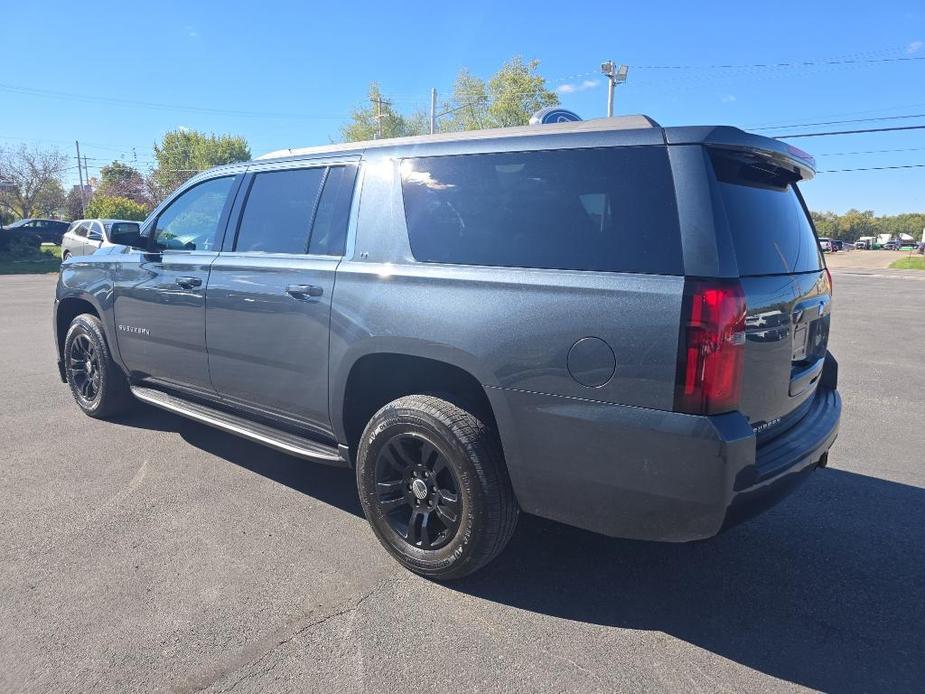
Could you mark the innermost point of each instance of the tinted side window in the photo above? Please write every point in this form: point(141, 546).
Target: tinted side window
point(278, 213)
point(191, 221)
point(329, 233)
point(82, 230)
point(771, 231)
point(608, 209)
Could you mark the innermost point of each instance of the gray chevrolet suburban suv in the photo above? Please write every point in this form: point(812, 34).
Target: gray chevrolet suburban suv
point(615, 325)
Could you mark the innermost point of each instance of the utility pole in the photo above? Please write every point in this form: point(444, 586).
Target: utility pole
point(615, 75)
point(80, 174)
point(86, 171)
point(379, 101)
point(433, 109)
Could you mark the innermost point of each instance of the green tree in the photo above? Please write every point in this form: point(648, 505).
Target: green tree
point(507, 99)
point(121, 180)
point(50, 201)
point(182, 153)
point(912, 223)
point(826, 224)
point(115, 207)
point(30, 180)
point(73, 205)
point(364, 121)
point(853, 224)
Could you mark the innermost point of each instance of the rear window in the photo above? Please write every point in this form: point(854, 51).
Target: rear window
point(122, 228)
point(771, 231)
point(608, 209)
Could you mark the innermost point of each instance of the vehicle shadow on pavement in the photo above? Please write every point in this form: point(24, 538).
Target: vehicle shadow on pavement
point(332, 485)
point(826, 590)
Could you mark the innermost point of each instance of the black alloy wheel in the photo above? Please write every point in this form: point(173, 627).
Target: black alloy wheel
point(434, 486)
point(417, 491)
point(83, 368)
point(97, 383)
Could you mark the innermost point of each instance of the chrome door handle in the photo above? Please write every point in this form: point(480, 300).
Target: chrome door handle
point(304, 292)
point(189, 282)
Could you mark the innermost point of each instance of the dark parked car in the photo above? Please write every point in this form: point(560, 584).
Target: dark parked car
point(890, 246)
point(48, 230)
point(615, 325)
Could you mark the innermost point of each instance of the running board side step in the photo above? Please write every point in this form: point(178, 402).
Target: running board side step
point(284, 441)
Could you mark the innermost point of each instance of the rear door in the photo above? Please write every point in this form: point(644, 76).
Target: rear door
point(269, 295)
point(787, 288)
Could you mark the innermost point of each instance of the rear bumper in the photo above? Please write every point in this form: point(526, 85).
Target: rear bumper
point(781, 463)
point(652, 475)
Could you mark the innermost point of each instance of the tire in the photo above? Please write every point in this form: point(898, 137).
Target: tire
point(433, 485)
point(97, 383)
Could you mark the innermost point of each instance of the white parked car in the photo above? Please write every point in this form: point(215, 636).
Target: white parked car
point(84, 236)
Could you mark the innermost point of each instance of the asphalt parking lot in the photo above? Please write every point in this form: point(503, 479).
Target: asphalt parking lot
point(154, 554)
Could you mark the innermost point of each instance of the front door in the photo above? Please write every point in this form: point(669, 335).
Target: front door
point(160, 301)
point(269, 298)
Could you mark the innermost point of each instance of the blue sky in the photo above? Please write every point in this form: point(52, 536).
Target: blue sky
point(287, 73)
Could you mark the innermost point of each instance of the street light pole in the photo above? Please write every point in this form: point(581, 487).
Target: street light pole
point(615, 75)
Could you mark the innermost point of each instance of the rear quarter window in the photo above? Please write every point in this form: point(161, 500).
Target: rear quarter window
point(606, 209)
point(123, 228)
point(771, 232)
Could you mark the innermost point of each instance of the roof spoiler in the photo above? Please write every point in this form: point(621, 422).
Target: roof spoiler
point(727, 137)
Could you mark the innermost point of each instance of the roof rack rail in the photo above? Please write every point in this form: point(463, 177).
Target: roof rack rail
point(635, 122)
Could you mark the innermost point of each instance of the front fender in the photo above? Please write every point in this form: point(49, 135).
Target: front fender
point(87, 281)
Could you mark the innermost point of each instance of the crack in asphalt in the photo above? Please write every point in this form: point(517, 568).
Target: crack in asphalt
point(353, 607)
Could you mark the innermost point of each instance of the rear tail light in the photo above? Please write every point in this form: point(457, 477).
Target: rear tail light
point(712, 348)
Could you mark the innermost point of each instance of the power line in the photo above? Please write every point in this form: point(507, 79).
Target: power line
point(871, 151)
point(847, 59)
point(794, 64)
point(766, 124)
point(840, 122)
point(875, 168)
point(70, 96)
point(851, 132)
